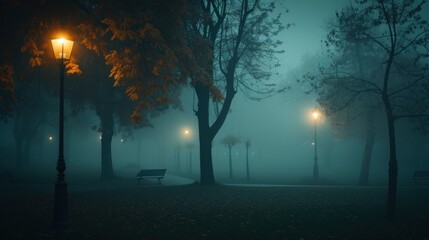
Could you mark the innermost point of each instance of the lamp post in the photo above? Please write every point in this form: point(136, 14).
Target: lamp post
point(316, 116)
point(187, 136)
point(62, 51)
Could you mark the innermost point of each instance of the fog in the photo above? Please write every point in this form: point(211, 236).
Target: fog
point(302, 119)
point(280, 129)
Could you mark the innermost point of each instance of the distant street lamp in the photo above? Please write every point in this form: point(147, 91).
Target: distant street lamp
point(316, 116)
point(186, 133)
point(62, 52)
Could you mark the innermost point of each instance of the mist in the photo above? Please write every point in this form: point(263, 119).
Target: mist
point(118, 135)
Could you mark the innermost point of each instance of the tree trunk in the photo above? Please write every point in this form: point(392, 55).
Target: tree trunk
point(207, 132)
point(393, 167)
point(25, 128)
point(247, 163)
point(393, 163)
point(106, 143)
point(27, 147)
point(205, 138)
point(367, 153)
point(106, 155)
point(17, 133)
point(105, 112)
point(18, 152)
point(206, 166)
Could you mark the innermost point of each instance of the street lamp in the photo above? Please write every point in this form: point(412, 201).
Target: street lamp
point(186, 134)
point(316, 115)
point(62, 52)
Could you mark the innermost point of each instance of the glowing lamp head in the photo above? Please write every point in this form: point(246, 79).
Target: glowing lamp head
point(62, 48)
point(315, 115)
point(186, 133)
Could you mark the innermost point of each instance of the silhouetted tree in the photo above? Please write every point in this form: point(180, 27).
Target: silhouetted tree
point(357, 53)
point(93, 88)
point(25, 88)
point(353, 119)
point(396, 36)
point(33, 108)
point(230, 141)
point(234, 45)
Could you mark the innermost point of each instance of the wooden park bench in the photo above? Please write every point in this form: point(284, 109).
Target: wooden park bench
point(151, 173)
point(421, 175)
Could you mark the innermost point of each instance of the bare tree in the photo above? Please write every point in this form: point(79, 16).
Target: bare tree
point(394, 37)
point(230, 141)
point(234, 44)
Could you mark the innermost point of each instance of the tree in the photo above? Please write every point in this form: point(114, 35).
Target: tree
point(141, 43)
point(33, 108)
point(93, 88)
point(234, 45)
point(359, 54)
point(247, 144)
point(230, 141)
point(396, 35)
point(355, 55)
point(348, 119)
point(24, 93)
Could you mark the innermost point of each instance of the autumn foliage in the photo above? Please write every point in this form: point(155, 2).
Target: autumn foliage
point(143, 43)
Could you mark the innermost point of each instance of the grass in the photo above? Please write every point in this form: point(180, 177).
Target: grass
point(221, 212)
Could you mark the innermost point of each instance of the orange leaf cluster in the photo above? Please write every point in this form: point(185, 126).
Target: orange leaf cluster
point(72, 67)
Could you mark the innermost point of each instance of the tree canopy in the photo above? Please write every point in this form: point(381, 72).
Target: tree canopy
point(142, 42)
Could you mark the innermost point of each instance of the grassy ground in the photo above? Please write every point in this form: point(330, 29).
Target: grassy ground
point(221, 212)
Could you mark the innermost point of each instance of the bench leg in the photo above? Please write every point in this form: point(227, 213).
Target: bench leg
point(159, 180)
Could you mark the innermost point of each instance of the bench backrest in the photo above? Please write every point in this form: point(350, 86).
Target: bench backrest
point(151, 172)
